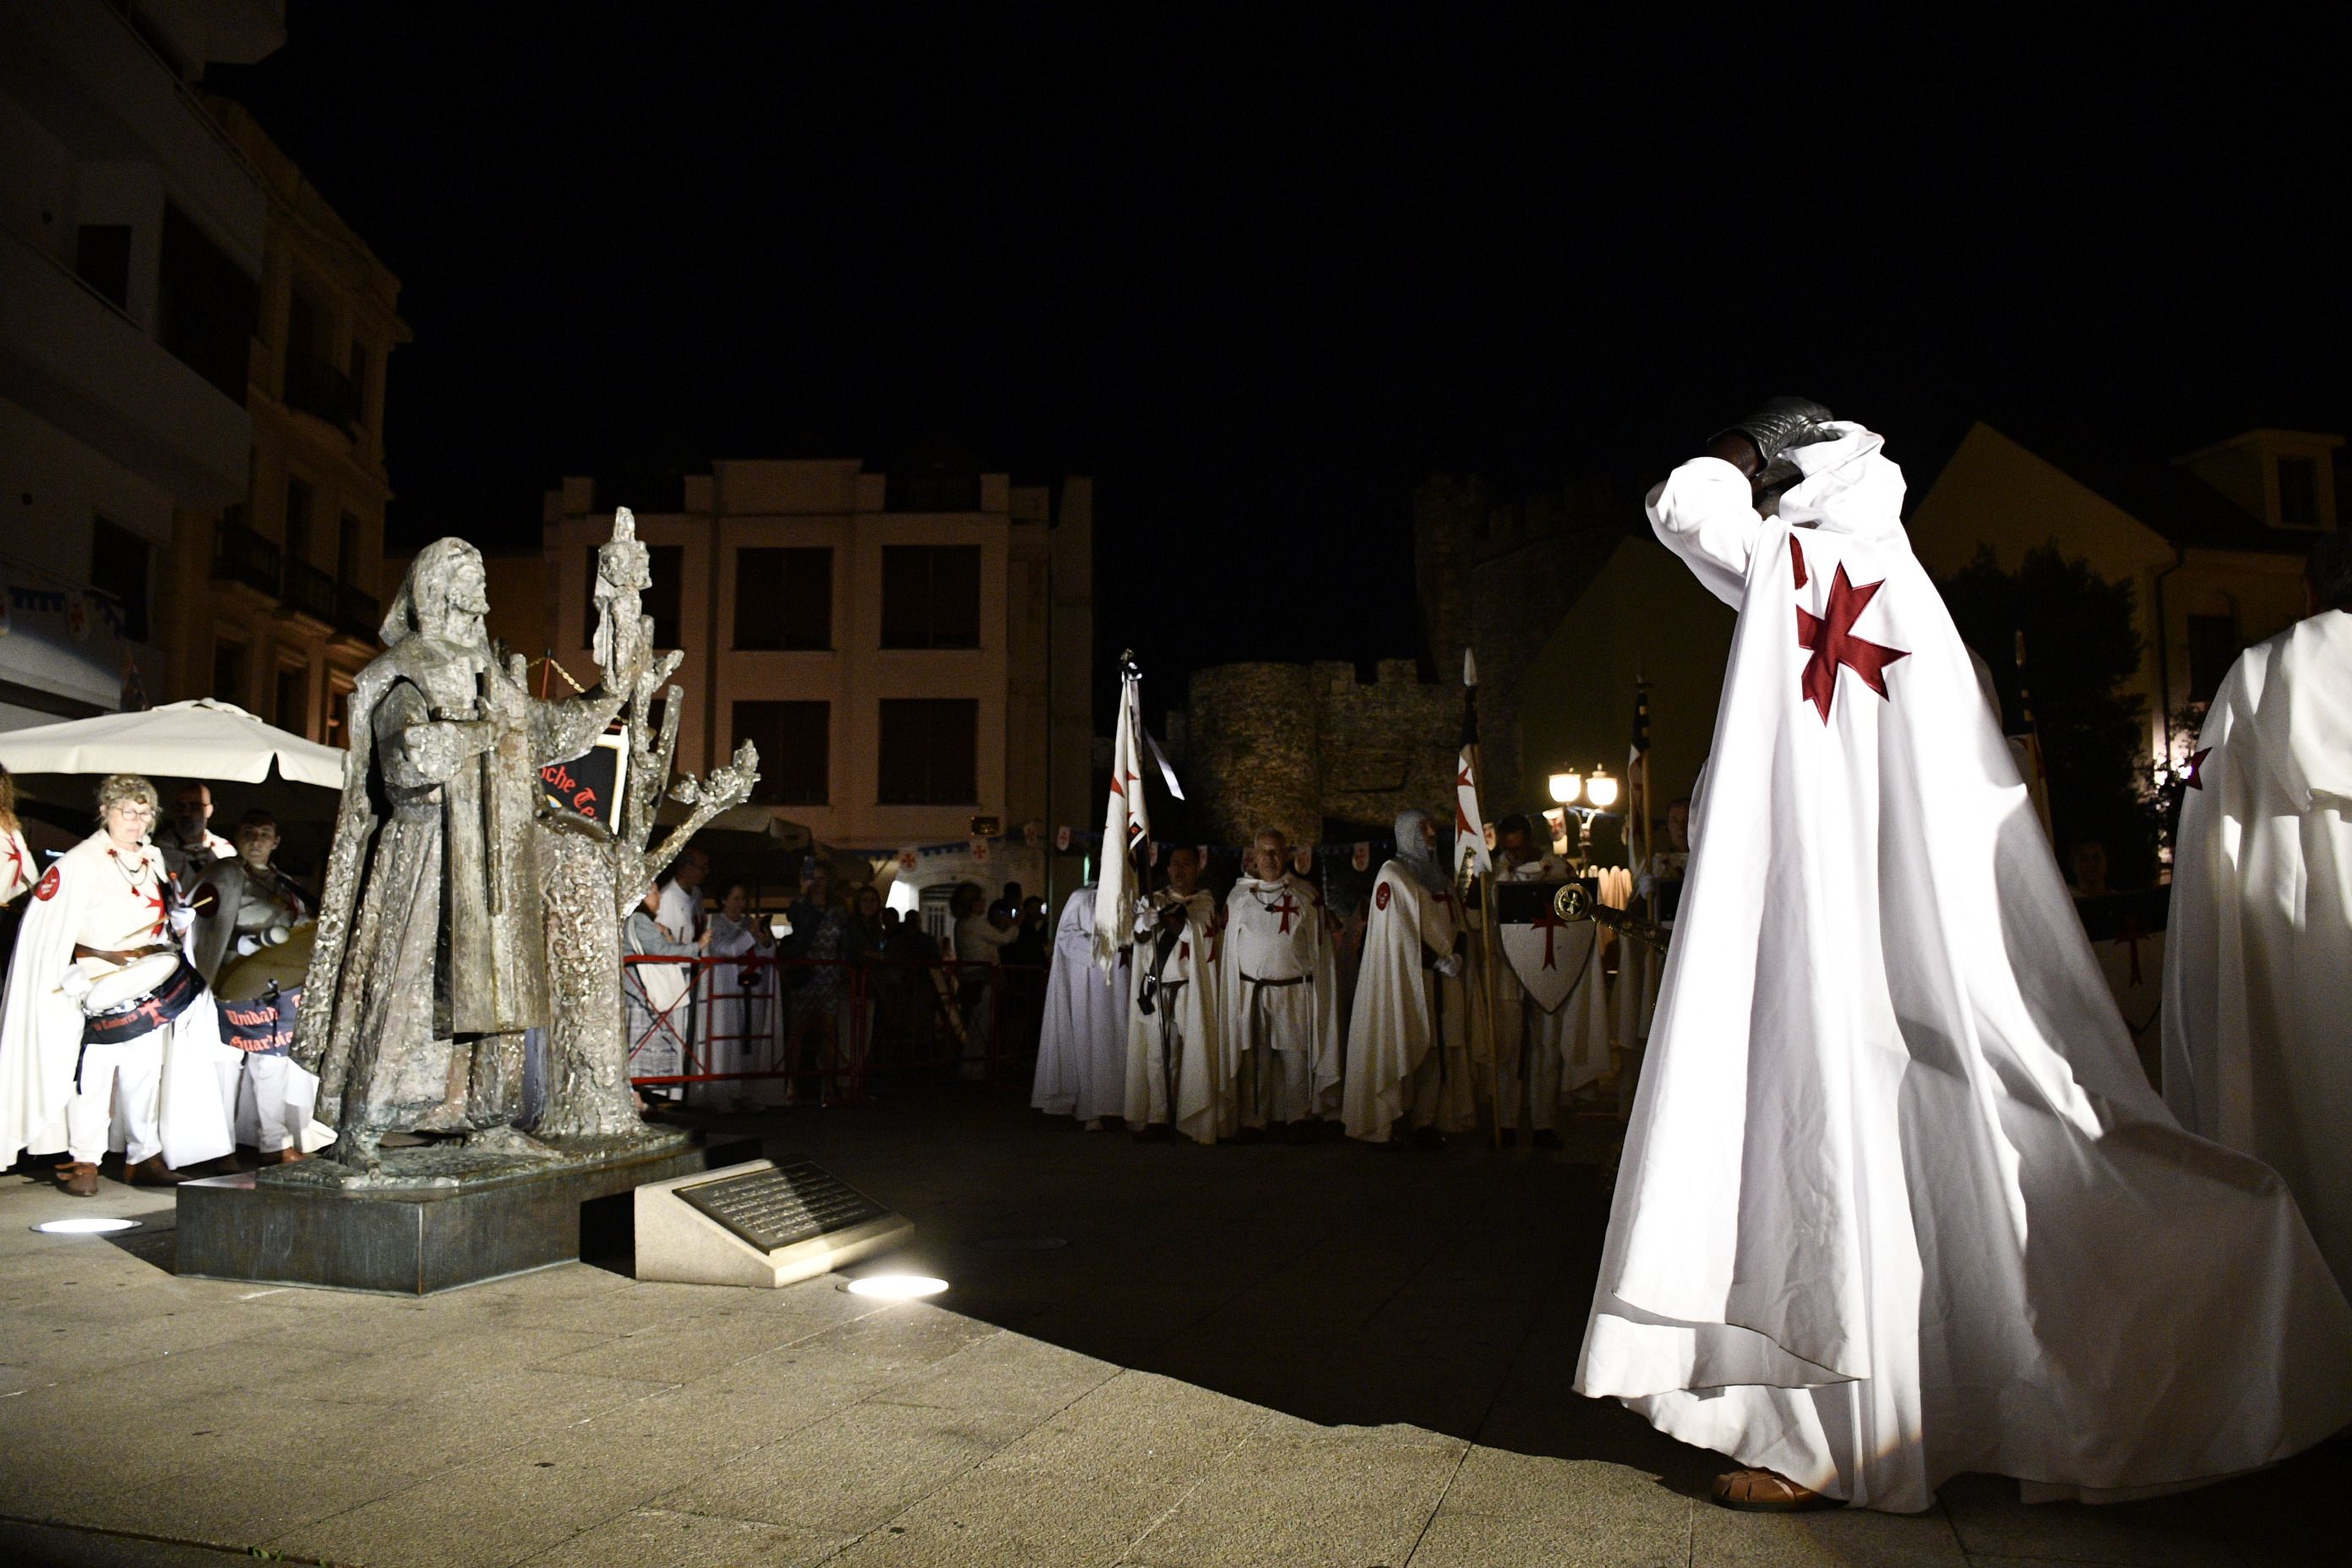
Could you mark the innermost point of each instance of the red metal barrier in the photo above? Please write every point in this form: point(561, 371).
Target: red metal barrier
point(856, 1020)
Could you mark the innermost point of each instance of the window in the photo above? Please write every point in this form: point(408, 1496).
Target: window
point(293, 698)
point(2214, 647)
point(299, 504)
point(339, 711)
point(204, 305)
point(228, 671)
point(660, 601)
point(2298, 493)
point(795, 741)
point(118, 565)
point(930, 595)
point(783, 599)
point(930, 751)
point(102, 261)
point(304, 326)
point(347, 549)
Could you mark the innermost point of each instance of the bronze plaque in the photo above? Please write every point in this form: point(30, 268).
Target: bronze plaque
point(795, 1201)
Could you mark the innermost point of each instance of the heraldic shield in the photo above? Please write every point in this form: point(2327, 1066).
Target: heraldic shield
point(1551, 950)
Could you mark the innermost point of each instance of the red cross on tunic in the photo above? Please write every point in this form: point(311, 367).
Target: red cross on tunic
point(15, 858)
point(1550, 925)
point(1287, 907)
point(2195, 779)
point(1833, 643)
point(154, 900)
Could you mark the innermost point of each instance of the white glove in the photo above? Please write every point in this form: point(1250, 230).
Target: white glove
point(182, 917)
point(1449, 966)
point(76, 985)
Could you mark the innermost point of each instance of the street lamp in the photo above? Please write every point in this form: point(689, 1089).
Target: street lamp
point(1566, 787)
point(1601, 789)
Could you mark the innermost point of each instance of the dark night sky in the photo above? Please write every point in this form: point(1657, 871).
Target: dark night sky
point(1258, 277)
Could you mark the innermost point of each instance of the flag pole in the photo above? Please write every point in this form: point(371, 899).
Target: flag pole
point(1467, 859)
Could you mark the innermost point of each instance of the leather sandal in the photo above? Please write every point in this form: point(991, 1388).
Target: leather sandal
point(1766, 1492)
point(79, 1178)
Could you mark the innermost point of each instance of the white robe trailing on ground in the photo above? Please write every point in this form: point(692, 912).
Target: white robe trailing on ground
point(2258, 969)
point(1181, 1032)
point(1897, 1201)
point(1082, 1045)
point(1279, 987)
point(1410, 1048)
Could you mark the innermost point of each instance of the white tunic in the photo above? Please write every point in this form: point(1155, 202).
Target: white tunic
point(2258, 968)
point(1181, 1037)
point(1897, 1200)
point(1275, 931)
point(1082, 1042)
point(97, 896)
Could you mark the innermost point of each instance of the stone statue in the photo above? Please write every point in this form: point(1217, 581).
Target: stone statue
point(430, 959)
point(595, 873)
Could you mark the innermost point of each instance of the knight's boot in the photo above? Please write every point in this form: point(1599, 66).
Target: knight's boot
point(151, 1172)
point(79, 1178)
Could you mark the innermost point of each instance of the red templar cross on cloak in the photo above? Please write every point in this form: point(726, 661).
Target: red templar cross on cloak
point(154, 901)
point(2193, 776)
point(1550, 925)
point(1287, 907)
point(1833, 643)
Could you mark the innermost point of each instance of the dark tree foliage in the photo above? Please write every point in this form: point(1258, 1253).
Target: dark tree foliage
point(2080, 648)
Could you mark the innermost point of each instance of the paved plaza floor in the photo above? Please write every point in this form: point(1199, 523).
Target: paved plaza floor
point(1151, 1354)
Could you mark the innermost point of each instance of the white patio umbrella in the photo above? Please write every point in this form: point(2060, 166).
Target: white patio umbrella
point(199, 740)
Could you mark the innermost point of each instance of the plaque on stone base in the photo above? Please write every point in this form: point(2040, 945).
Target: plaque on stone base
point(766, 1223)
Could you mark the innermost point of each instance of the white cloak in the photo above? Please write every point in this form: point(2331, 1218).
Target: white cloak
point(40, 1029)
point(1203, 1078)
point(2258, 967)
point(1402, 1007)
point(1303, 1018)
point(735, 1011)
point(1082, 1045)
point(1897, 1201)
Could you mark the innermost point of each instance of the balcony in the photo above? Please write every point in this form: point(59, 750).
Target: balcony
point(357, 614)
point(322, 390)
point(242, 556)
point(309, 592)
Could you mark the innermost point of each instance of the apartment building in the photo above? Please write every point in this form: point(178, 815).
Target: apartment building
point(909, 651)
point(131, 236)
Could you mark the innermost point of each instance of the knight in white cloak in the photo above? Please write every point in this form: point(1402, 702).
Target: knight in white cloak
point(1082, 1039)
point(2258, 968)
point(1278, 987)
point(430, 962)
point(108, 1036)
point(1551, 1021)
point(1897, 1201)
point(1413, 1042)
point(1176, 1076)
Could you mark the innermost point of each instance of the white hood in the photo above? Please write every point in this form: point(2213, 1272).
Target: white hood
point(1849, 487)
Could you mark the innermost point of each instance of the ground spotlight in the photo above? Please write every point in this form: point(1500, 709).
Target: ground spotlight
point(896, 1286)
point(85, 1225)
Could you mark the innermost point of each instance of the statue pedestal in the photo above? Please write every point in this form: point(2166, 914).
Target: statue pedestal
point(475, 1220)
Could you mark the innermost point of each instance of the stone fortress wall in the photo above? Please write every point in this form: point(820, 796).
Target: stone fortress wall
point(1289, 745)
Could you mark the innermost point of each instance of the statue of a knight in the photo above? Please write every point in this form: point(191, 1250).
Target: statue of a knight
point(430, 959)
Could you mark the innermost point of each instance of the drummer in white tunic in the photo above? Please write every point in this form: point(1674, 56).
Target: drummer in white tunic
point(108, 1033)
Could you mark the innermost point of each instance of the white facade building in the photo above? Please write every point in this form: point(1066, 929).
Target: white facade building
point(130, 240)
